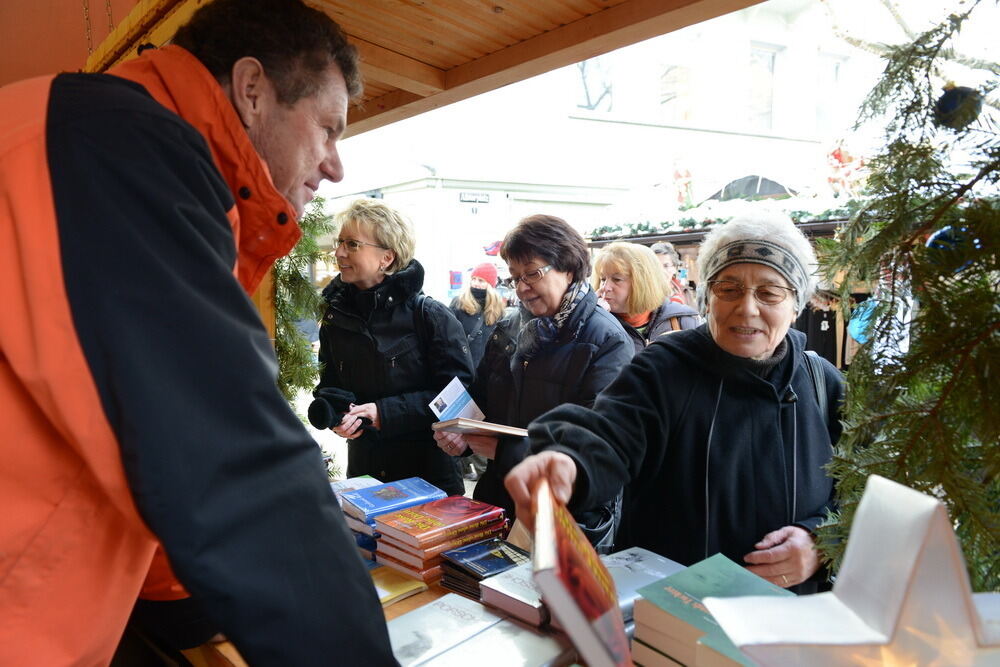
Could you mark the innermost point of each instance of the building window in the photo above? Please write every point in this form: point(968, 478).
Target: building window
point(763, 61)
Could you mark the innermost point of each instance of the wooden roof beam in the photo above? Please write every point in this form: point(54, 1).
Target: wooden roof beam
point(398, 71)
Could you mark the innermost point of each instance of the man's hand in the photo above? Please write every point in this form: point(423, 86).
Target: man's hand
point(785, 557)
point(558, 468)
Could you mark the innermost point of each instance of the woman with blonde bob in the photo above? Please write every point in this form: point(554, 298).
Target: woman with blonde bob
point(632, 286)
point(392, 348)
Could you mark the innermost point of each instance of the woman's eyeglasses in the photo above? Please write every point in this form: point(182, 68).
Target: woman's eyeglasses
point(529, 278)
point(353, 245)
point(730, 290)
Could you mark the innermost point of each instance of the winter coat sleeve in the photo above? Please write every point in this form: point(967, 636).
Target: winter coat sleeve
point(629, 421)
point(218, 465)
point(446, 357)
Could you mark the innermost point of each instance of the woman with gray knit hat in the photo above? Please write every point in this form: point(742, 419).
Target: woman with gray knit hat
point(719, 434)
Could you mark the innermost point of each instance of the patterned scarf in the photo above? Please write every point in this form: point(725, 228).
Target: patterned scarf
point(538, 332)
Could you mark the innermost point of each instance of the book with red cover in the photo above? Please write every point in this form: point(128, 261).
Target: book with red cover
point(408, 557)
point(427, 575)
point(437, 521)
point(495, 529)
point(575, 584)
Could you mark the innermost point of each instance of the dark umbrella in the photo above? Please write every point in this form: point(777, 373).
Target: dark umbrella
point(753, 187)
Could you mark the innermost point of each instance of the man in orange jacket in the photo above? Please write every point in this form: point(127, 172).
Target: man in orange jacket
point(138, 402)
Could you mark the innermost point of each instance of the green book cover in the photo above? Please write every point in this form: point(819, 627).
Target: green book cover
point(681, 594)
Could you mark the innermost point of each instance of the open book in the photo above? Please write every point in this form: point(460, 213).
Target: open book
point(478, 427)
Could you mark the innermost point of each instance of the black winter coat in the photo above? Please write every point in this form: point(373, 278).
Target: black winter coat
point(590, 351)
point(372, 343)
point(684, 401)
point(477, 332)
point(660, 323)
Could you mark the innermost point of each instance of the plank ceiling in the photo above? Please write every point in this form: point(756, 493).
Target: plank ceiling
point(417, 55)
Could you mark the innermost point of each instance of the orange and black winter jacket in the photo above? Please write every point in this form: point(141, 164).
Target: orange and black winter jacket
point(137, 383)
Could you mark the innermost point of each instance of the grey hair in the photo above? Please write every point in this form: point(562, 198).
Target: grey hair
point(768, 228)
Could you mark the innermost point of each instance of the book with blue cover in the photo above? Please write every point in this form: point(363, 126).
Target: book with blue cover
point(486, 558)
point(367, 503)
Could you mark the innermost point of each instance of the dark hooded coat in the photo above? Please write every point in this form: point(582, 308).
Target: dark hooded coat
point(387, 348)
point(714, 456)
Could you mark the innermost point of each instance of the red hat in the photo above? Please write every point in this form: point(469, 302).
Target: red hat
point(487, 272)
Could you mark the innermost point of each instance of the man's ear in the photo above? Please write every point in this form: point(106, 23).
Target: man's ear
point(249, 90)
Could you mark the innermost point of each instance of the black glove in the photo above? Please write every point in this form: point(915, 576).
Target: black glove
point(329, 407)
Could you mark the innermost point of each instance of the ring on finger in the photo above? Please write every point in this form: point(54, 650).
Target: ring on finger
point(784, 579)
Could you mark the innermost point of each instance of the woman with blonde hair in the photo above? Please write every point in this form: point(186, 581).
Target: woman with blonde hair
point(389, 346)
point(632, 286)
point(478, 309)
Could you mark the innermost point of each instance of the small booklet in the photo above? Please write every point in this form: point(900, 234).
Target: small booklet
point(454, 401)
point(478, 427)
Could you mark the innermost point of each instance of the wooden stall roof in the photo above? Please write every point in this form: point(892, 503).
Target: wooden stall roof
point(419, 55)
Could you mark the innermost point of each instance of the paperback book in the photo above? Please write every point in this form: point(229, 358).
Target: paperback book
point(437, 521)
point(393, 586)
point(670, 615)
point(514, 591)
point(427, 574)
point(464, 568)
point(495, 529)
point(575, 584)
point(367, 503)
point(341, 486)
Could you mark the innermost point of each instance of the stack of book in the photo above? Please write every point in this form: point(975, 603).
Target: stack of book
point(515, 593)
point(673, 626)
point(364, 540)
point(412, 540)
point(464, 568)
point(368, 498)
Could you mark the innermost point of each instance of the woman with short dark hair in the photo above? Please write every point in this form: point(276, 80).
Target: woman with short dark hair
point(558, 347)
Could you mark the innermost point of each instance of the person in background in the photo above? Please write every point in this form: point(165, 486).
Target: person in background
point(719, 433)
point(558, 347)
point(393, 348)
point(631, 285)
point(478, 308)
point(670, 260)
point(140, 404)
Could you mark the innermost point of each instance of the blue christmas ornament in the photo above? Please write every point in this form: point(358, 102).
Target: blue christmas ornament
point(951, 240)
point(957, 107)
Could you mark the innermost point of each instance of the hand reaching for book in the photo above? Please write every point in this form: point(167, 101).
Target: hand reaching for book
point(558, 468)
point(785, 557)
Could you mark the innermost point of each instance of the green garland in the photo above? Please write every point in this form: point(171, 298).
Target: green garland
point(925, 413)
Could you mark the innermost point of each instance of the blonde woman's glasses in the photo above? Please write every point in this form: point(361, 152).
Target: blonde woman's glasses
point(353, 245)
